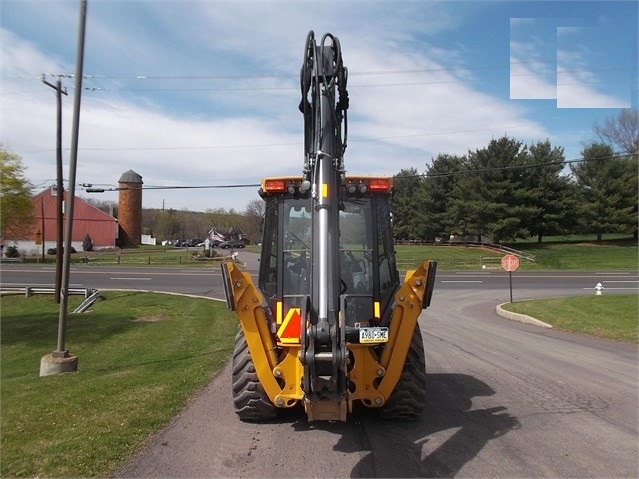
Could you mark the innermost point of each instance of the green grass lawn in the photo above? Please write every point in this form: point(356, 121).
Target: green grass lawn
point(607, 255)
point(607, 316)
point(571, 253)
point(141, 356)
point(447, 257)
point(611, 255)
point(147, 256)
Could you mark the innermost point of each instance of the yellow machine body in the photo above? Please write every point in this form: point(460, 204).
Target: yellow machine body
point(374, 371)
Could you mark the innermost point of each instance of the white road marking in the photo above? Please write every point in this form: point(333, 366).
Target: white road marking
point(131, 279)
point(462, 281)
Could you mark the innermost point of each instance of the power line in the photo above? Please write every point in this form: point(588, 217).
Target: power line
point(512, 167)
point(171, 148)
point(199, 187)
point(350, 73)
point(291, 76)
point(91, 189)
point(267, 145)
point(424, 175)
point(261, 76)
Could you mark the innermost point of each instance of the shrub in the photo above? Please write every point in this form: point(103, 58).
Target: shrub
point(87, 244)
point(210, 253)
point(55, 250)
point(12, 252)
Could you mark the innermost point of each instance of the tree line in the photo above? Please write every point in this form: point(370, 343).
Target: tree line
point(509, 190)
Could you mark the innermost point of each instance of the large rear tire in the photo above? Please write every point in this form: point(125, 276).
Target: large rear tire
point(250, 401)
point(408, 399)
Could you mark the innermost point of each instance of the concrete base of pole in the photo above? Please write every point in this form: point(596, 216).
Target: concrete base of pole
point(50, 364)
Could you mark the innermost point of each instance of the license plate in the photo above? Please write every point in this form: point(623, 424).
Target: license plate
point(373, 335)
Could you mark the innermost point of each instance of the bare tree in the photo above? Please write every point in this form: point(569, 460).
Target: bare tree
point(621, 131)
point(254, 216)
point(256, 208)
point(109, 207)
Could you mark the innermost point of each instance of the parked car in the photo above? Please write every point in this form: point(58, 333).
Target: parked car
point(232, 244)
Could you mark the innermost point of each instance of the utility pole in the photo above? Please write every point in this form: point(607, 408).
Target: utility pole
point(59, 186)
point(60, 361)
point(61, 351)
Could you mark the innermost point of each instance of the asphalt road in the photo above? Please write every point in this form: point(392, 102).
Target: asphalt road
point(506, 399)
point(207, 281)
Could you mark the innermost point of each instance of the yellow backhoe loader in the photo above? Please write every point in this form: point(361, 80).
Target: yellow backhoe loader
point(330, 322)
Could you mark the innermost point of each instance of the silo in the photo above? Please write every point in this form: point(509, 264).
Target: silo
point(130, 208)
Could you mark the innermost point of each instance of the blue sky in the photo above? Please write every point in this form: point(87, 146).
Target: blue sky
point(195, 93)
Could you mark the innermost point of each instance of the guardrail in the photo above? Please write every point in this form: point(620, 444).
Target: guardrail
point(90, 294)
point(157, 260)
point(31, 290)
point(470, 244)
point(505, 249)
point(481, 262)
point(19, 259)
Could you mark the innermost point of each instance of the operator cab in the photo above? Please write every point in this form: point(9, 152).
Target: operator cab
point(367, 271)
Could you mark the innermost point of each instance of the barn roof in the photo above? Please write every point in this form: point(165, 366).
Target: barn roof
point(101, 226)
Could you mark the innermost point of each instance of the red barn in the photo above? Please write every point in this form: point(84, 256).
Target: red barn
point(101, 227)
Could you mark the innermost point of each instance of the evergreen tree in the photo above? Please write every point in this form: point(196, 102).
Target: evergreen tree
point(87, 243)
point(406, 206)
point(490, 199)
point(607, 191)
point(551, 197)
point(439, 187)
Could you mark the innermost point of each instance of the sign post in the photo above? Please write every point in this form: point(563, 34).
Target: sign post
point(510, 263)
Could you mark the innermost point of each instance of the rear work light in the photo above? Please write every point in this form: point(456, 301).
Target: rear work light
point(361, 185)
point(380, 184)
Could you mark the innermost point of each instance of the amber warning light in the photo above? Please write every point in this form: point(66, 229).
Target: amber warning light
point(274, 185)
point(354, 185)
point(292, 185)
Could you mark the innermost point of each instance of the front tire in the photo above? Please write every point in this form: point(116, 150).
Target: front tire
point(250, 401)
point(409, 397)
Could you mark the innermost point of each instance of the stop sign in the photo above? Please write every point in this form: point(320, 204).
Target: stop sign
point(510, 262)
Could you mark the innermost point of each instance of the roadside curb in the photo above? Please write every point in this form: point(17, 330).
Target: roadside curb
point(522, 318)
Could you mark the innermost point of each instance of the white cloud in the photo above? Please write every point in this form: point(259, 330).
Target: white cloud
point(579, 84)
point(532, 68)
point(573, 92)
point(591, 73)
point(237, 137)
point(531, 80)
